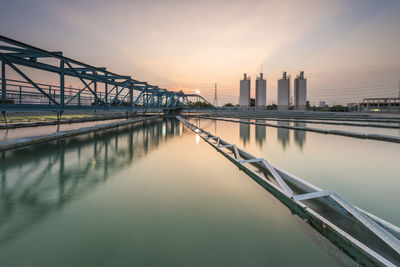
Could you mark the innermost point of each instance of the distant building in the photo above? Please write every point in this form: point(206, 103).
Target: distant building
point(379, 104)
point(244, 101)
point(283, 92)
point(261, 92)
point(300, 92)
point(322, 104)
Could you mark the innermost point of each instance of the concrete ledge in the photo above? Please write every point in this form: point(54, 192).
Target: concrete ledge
point(27, 141)
point(329, 121)
point(380, 137)
point(331, 116)
point(66, 121)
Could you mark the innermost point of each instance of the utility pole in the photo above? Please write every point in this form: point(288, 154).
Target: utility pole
point(215, 96)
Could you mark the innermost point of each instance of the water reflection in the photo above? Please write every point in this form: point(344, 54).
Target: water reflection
point(261, 133)
point(283, 133)
point(37, 182)
point(197, 122)
point(244, 131)
point(300, 136)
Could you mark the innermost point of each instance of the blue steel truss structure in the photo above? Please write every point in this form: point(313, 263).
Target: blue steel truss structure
point(101, 89)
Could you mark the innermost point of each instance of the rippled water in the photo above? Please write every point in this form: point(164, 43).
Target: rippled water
point(152, 195)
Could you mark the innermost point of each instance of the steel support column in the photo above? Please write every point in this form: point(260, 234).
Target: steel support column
point(106, 91)
point(95, 91)
point(3, 82)
point(62, 83)
point(130, 96)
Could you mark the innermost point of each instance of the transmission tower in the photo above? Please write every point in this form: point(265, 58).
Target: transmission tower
point(215, 96)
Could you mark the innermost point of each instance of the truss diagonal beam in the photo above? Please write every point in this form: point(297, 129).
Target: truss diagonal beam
point(83, 81)
point(28, 79)
point(368, 222)
point(139, 96)
point(119, 92)
point(78, 93)
point(312, 195)
point(122, 100)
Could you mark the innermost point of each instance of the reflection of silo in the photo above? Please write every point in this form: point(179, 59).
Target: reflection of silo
point(283, 133)
point(244, 101)
point(300, 92)
point(260, 132)
point(300, 136)
point(283, 92)
point(244, 130)
point(261, 92)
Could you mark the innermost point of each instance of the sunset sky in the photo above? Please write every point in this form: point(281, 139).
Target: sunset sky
point(348, 49)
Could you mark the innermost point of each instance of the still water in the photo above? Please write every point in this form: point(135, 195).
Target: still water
point(365, 172)
point(152, 195)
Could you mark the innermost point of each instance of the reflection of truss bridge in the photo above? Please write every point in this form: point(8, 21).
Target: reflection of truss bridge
point(100, 89)
point(36, 183)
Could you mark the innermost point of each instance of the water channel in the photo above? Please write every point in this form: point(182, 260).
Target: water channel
point(157, 195)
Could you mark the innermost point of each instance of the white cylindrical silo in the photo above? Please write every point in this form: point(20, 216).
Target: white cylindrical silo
point(300, 92)
point(261, 92)
point(283, 92)
point(244, 101)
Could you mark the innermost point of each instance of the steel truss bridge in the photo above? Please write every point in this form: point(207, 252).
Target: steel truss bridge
point(101, 89)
